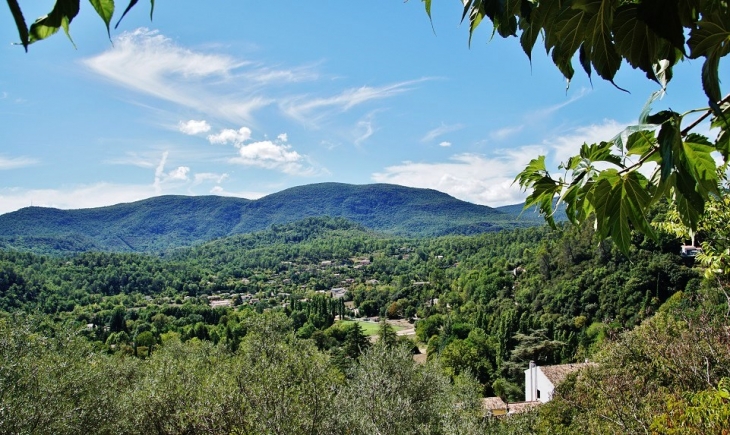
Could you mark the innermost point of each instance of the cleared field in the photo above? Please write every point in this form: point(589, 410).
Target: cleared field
point(369, 328)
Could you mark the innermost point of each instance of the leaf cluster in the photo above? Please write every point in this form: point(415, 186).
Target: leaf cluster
point(60, 17)
point(607, 182)
point(650, 35)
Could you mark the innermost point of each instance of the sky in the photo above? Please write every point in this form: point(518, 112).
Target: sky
point(247, 98)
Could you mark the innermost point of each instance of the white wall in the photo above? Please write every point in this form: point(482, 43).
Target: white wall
point(537, 383)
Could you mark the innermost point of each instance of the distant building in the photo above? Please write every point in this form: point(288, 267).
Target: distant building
point(540, 382)
point(338, 292)
point(494, 406)
point(689, 251)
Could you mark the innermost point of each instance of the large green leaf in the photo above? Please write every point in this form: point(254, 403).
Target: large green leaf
point(544, 192)
point(635, 41)
point(620, 201)
point(710, 38)
point(600, 152)
point(641, 143)
point(697, 159)
point(670, 142)
point(721, 120)
point(534, 171)
point(604, 57)
point(690, 204)
point(663, 18)
point(63, 12)
point(105, 9)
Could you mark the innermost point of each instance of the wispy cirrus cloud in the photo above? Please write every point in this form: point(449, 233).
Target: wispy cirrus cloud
point(220, 85)
point(203, 177)
point(440, 131)
point(16, 162)
point(310, 110)
point(150, 63)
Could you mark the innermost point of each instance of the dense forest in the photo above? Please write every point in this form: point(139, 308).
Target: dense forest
point(246, 334)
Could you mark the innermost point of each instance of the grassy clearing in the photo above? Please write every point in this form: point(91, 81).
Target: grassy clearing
point(369, 328)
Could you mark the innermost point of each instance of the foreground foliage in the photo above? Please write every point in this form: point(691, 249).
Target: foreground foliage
point(273, 384)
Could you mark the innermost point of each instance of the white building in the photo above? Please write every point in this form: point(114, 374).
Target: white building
point(540, 382)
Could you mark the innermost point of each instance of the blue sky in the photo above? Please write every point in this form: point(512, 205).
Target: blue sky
point(248, 98)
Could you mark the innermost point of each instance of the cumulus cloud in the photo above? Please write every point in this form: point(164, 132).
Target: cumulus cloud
point(488, 179)
point(283, 137)
point(179, 174)
point(231, 136)
point(268, 155)
point(440, 131)
point(16, 162)
point(194, 127)
point(445, 144)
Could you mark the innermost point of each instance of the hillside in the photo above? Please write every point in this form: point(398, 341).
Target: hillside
point(167, 222)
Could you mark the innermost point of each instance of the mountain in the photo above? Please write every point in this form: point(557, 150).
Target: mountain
point(166, 222)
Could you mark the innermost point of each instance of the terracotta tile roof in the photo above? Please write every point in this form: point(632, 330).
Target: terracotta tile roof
point(494, 403)
point(556, 374)
point(519, 407)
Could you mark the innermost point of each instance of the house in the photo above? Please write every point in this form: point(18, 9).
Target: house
point(540, 382)
point(689, 251)
point(494, 406)
point(338, 292)
point(520, 407)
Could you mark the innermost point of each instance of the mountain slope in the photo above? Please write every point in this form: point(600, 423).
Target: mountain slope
point(166, 222)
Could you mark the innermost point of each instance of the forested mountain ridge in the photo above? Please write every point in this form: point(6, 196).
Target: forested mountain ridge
point(167, 222)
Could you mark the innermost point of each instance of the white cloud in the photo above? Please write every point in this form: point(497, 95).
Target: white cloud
point(179, 174)
point(567, 145)
point(152, 64)
point(194, 127)
point(218, 190)
point(161, 177)
point(16, 162)
point(471, 177)
point(440, 131)
point(310, 111)
point(229, 135)
point(134, 159)
point(363, 130)
point(266, 75)
point(268, 155)
point(504, 133)
point(83, 196)
point(445, 144)
point(283, 137)
point(487, 179)
point(202, 177)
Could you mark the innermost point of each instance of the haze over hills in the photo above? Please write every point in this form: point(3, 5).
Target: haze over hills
point(166, 222)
